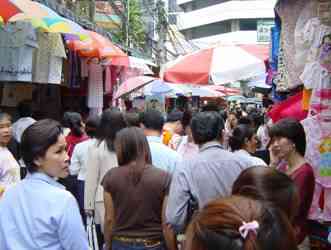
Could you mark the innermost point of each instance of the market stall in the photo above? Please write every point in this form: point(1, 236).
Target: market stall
point(58, 63)
point(300, 74)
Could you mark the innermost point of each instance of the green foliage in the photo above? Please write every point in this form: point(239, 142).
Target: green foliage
point(137, 32)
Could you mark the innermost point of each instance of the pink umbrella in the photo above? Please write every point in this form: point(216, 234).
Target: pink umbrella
point(133, 84)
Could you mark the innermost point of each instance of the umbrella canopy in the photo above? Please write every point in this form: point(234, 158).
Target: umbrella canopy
point(40, 16)
point(159, 87)
point(100, 47)
point(15, 10)
point(64, 25)
point(219, 65)
point(225, 90)
point(141, 64)
point(235, 98)
point(133, 84)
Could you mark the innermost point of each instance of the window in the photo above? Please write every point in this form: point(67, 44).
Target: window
point(248, 24)
point(208, 30)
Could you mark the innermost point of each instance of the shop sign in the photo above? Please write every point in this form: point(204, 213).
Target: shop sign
point(264, 30)
point(155, 103)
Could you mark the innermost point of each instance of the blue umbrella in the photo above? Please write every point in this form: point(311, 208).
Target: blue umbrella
point(159, 87)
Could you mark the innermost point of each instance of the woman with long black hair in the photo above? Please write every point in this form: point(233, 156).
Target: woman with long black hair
point(135, 197)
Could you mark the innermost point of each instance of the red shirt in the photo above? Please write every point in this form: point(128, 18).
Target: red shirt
point(304, 179)
point(72, 140)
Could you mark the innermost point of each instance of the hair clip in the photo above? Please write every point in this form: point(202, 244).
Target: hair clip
point(247, 227)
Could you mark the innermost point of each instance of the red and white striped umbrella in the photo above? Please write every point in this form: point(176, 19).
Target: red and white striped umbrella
point(218, 65)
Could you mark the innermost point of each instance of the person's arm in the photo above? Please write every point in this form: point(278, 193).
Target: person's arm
point(70, 227)
point(91, 180)
point(168, 233)
point(177, 205)
point(109, 219)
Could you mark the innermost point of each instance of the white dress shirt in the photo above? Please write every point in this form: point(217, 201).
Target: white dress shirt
point(78, 162)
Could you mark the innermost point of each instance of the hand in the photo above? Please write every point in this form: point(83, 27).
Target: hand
point(274, 156)
point(89, 212)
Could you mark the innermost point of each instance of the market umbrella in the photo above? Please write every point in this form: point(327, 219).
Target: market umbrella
point(236, 98)
point(100, 47)
point(15, 10)
point(66, 26)
point(159, 87)
point(218, 65)
point(39, 16)
point(140, 64)
point(133, 84)
point(225, 90)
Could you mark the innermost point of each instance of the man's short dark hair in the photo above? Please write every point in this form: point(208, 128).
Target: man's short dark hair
point(206, 127)
point(152, 119)
point(37, 139)
point(175, 116)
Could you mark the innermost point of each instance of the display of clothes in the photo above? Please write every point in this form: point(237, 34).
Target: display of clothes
point(290, 12)
point(95, 85)
point(17, 43)
point(48, 58)
point(281, 79)
point(74, 70)
point(316, 75)
point(318, 132)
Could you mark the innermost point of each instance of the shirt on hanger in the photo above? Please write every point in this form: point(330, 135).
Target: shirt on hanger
point(17, 43)
point(95, 86)
point(48, 58)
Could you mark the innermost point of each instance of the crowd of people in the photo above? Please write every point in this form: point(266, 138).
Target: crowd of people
point(196, 181)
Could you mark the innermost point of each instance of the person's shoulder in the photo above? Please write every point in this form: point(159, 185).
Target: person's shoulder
point(86, 143)
point(159, 174)
point(164, 149)
point(307, 169)
point(157, 171)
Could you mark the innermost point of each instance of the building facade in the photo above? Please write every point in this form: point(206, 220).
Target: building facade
point(204, 22)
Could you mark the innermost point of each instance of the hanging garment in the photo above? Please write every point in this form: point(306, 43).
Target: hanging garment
point(318, 79)
point(316, 131)
point(84, 67)
point(310, 42)
point(325, 53)
point(95, 86)
point(17, 43)
point(48, 58)
point(108, 80)
point(303, 34)
point(291, 12)
point(290, 108)
point(281, 80)
point(306, 96)
point(74, 74)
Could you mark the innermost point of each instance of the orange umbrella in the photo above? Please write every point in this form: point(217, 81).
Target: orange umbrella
point(100, 47)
